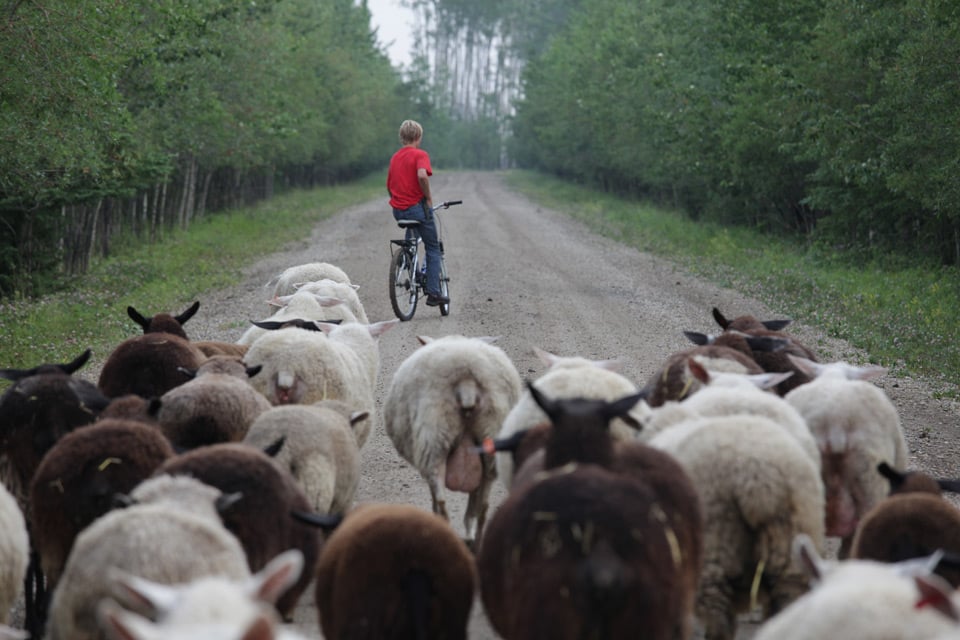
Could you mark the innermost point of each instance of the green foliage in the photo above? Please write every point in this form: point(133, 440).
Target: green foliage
point(162, 277)
point(904, 316)
point(836, 120)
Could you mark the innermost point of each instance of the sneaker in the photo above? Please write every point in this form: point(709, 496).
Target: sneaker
point(436, 299)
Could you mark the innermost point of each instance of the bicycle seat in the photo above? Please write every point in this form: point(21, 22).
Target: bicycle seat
point(403, 224)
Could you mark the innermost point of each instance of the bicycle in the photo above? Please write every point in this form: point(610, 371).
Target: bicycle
point(408, 268)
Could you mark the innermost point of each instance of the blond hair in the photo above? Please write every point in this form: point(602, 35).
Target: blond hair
point(410, 131)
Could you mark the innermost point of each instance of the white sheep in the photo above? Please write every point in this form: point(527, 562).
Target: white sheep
point(302, 306)
point(759, 489)
point(856, 427)
point(866, 600)
point(292, 277)
point(327, 288)
point(568, 377)
point(319, 450)
point(303, 367)
point(14, 552)
point(171, 533)
point(723, 394)
point(208, 607)
point(218, 405)
point(444, 399)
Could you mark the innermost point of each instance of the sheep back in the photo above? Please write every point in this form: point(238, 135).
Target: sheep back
point(856, 427)
point(567, 377)
point(910, 525)
point(320, 451)
point(78, 478)
point(759, 489)
point(582, 550)
point(448, 389)
point(389, 570)
point(261, 519)
point(292, 278)
point(148, 365)
point(209, 409)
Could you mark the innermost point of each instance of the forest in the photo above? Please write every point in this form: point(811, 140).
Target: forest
point(837, 123)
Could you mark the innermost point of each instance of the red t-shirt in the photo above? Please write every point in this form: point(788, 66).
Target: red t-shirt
point(402, 180)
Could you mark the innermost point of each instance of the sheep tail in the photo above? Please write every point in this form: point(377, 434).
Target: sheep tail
point(468, 395)
point(417, 587)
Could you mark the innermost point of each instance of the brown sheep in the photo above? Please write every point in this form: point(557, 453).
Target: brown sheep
point(262, 519)
point(913, 522)
point(606, 540)
point(394, 571)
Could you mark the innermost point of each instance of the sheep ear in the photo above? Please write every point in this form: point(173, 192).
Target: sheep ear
point(327, 301)
point(510, 443)
point(621, 409)
point(225, 501)
point(153, 407)
point(273, 580)
point(776, 325)
point(137, 317)
point(275, 447)
point(546, 357)
point(190, 373)
point(896, 478)
point(935, 592)
point(698, 371)
point(358, 416)
point(379, 328)
point(608, 365)
point(189, 313)
point(123, 625)
point(76, 363)
point(324, 522)
point(269, 325)
point(946, 484)
point(424, 340)
point(766, 344)
point(260, 629)
point(720, 319)
point(488, 339)
point(549, 406)
point(278, 301)
point(141, 595)
point(701, 339)
point(768, 380)
point(806, 554)
point(252, 371)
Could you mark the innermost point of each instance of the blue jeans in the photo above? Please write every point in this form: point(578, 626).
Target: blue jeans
point(427, 229)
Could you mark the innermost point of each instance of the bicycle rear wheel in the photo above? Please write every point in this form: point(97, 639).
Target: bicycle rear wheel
point(444, 287)
point(403, 285)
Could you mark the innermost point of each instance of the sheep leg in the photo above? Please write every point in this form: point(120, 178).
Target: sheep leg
point(477, 504)
point(436, 482)
point(715, 606)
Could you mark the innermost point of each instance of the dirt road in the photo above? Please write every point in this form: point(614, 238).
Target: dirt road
point(534, 278)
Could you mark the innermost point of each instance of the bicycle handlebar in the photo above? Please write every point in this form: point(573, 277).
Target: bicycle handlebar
point(447, 204)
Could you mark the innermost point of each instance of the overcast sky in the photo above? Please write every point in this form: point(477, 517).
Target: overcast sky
point(394, 25)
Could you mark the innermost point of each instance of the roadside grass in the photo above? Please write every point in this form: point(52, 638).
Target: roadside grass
point(166, 276)
point(906, 318)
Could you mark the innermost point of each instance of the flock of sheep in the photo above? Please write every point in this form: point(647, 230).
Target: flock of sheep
point(200, 489)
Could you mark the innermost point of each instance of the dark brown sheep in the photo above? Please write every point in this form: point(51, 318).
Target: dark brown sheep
point(164, 322)
point(394, 572)
point(777, 361)
point(913, 522)
point(79, 478)
point(606, 540)
point(261, 519)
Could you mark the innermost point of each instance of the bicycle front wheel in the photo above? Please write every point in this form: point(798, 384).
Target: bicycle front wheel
point(403, 285)
point(444, 287)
